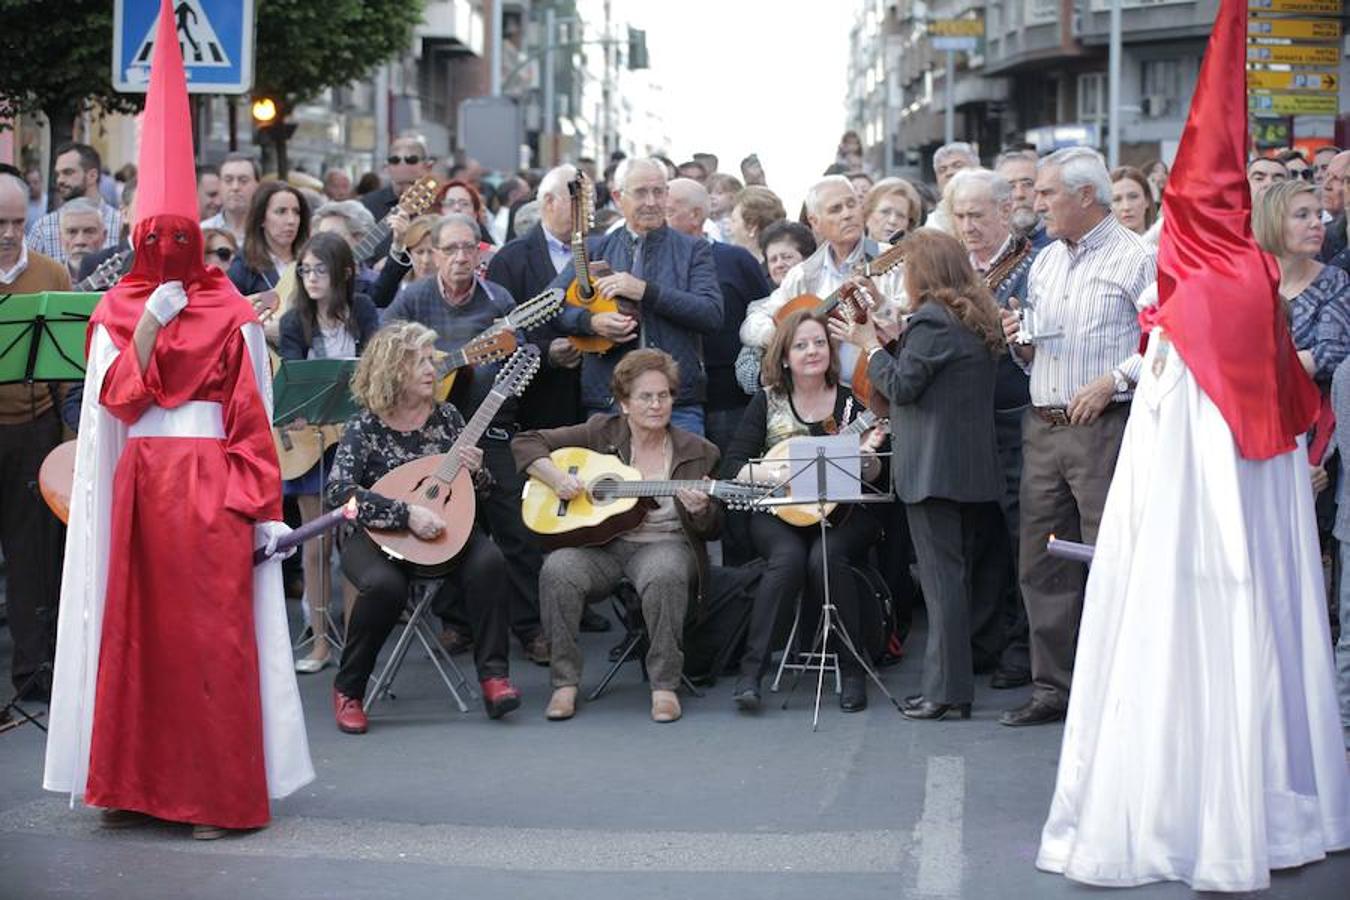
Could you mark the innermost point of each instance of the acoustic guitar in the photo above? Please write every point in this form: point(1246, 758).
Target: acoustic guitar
point(823, 307)
point(532, 312)
point(582, 292)
point(56, 479)
point(810, 513)
point(107, 273)
point(616, 501)
point(414, 201)
point(440, 483)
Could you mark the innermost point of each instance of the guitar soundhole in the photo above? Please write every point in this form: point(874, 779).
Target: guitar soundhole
point(602, 491)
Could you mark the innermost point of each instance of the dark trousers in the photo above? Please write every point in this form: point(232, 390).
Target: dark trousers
point(947, 538)
point(719, 426)
point(474, 585)
point(499, 514)
point(1066, 472)
point(894, 557)
point(794, 566)
point(1016, 655)
point(32, 540)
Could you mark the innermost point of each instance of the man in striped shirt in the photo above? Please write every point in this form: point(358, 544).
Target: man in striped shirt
point(78, 168)
point(1084, 288)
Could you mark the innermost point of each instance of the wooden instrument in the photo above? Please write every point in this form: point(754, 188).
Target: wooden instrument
point(440, 483)
point(532, 312)
point(56, 479)
point(107, 273)
point(300, 447)
point(616, 501)
point(416, 200)
point(879, 266)
point(854, 308)
point(810, 513)
point(582, 291)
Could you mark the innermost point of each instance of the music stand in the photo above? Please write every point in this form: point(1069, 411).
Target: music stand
point(825, 470)
point(41, 339)
point(319, 391)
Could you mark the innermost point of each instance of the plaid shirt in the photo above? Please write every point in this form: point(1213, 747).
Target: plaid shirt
point(45, 235)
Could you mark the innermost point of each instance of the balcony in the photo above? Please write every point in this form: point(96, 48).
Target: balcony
point(453, 27)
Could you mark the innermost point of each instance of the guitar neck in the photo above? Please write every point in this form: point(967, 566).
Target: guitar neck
point(860, 424)
point(582, 265)
point(879, 266)
point(368, 244)
point(473, 432)
point(653, 488)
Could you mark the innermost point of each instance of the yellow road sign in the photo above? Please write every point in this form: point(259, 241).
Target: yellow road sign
point(1294, 54)
point(1307, 29)
point(1329, 7)
point(1293, 104)
point(1293, 81)
point(957, 27)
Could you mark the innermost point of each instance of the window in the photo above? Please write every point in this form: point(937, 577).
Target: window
point(1160, 88)
point(1039, 12)
point(1092, 97)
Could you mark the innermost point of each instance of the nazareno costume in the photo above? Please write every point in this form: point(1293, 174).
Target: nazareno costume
point(174, 693)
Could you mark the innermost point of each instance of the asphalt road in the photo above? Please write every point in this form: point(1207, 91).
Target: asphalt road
point(435, 803)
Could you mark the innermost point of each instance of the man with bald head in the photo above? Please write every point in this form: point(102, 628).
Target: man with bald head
point(30, 427)
point(666, 285)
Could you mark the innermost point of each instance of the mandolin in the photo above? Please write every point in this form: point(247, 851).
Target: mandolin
point(854, 307)
point(879, 266)
point(616, 501)
point(440, 483)
point(532, 312)
point(582, 292)
point(810, 513)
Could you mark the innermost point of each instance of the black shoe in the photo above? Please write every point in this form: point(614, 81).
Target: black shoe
point(594, 622)
point(746, 694)
point(926, 709)
point(1003, 679)
point(853, 695)
point(1033, 712)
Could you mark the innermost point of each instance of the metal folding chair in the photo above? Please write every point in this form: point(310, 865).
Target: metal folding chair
point(421, 591)
point(628, 607)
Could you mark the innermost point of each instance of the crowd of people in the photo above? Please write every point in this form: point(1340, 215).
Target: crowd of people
point(994, 441)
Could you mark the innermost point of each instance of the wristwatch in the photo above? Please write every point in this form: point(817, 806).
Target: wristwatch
point(1122, 383)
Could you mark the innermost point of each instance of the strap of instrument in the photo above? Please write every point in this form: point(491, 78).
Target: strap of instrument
point(1006, 266)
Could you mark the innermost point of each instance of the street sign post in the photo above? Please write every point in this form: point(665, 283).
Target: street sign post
point(1299, 29)
point(1294, 54)
point(1307, 7)
point(216, 37)
point(1292, 104)
point(1325, 82)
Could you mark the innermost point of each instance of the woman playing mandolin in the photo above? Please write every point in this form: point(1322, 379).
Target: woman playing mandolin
point(802, 396)
point(327, 320)
point(396, 383)
point(664, 557)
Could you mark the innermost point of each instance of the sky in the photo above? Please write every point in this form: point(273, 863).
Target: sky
point(743, 76)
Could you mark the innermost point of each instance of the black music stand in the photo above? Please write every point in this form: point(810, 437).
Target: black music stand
point(828, 473)
point(318, 391)
point(41, 340)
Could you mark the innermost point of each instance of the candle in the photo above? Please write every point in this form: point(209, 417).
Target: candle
point(1070, 550)
point(344, 513)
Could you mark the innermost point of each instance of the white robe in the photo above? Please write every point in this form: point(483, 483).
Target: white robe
point(84, 583)
point(1203, 742)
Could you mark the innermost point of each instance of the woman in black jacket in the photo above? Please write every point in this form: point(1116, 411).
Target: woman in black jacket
point(327, 320)
point(940, 383)
point(276, 228)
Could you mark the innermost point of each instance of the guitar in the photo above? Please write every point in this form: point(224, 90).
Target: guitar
point(582, 292)
point(810, 513)
point(854, 307)
point(416, 200)
point(616, 501)
point(441, 484)
point(879, 266)
point(525, 315)
point(107, 273)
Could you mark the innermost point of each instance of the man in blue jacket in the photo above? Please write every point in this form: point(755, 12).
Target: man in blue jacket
point(666, 282)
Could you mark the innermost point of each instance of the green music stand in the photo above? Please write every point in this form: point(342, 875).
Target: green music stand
point(317, 390)
point(42, 336)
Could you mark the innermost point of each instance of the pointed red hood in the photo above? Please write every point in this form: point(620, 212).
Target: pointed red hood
point(166, 170)
point(1217, 290)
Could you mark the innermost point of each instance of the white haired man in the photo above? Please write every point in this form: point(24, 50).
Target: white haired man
point(1018, 168)
point(947, 161)
point(82, 232)
point(1085, 288)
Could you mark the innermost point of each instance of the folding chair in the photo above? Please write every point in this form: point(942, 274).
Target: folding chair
point(628, 607)
point(419, 625)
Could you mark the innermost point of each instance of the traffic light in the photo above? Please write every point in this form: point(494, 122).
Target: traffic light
point(637, 48)
point(268, 122)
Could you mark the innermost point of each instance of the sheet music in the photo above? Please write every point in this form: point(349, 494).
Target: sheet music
point(843, 468)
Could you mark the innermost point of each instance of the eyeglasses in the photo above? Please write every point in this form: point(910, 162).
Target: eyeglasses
point(454, 249)
point(224, 254)
point(394, 159)
point(1305, 174)
point(661, 398)
point(318, 269)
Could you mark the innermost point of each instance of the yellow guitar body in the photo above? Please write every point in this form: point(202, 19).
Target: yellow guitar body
point(445, 386)
point(794, 514)
point(298, 449)
point(546, 514)
point(595, 305)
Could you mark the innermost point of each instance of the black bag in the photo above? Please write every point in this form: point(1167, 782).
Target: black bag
point(713, 643)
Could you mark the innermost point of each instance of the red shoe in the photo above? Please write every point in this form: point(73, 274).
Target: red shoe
point(499, 696)
point(351, 718)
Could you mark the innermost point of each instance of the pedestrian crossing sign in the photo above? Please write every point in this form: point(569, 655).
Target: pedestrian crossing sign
point(216, 37)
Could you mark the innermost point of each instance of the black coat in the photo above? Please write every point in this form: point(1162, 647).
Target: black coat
point(742, 281)
point(292, 343)
point(523, 266)
point(941, 387)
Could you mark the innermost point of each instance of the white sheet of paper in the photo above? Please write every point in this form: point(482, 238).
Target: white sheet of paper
point(843, 469)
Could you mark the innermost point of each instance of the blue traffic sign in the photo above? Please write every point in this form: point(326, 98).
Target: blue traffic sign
point(216, 37)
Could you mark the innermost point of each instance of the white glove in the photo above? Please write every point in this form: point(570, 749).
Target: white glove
point(266, 535)
point(167, 301)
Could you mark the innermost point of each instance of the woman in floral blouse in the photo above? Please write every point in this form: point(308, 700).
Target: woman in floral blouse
point(396, 381)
